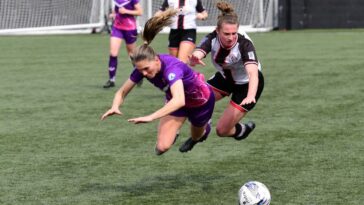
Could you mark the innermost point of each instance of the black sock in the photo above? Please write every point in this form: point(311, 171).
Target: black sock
point(239, 130)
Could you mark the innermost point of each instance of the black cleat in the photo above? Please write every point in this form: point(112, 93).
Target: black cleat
point(109, 84)
point(190, 143)
point(249, 127)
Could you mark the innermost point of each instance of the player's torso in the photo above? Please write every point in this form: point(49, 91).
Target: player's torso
point(186, 17)
point(125, 21)
point(229, 62)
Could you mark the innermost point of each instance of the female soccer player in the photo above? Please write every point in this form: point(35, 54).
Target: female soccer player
point(238, 72)
point(124, 27)
point(187, 95)
point(182, 37)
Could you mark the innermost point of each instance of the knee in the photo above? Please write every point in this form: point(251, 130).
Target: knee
point(222, 131)
point(114, 52)
point(161, 148)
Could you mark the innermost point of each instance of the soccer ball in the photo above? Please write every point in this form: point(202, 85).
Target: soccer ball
point(254, 193)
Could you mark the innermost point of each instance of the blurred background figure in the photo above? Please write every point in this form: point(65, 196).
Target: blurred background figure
point(182, 37)
point(124, 28)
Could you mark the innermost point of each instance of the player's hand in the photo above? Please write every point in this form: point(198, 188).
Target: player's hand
point(122, 10)
point(248, 100)
point(200, 17)
point(111, 111)
point(138, 120)
point(112, 16)
point(193, 60)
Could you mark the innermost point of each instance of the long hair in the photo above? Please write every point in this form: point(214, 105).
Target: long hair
point(151, 28)
point(227, 15)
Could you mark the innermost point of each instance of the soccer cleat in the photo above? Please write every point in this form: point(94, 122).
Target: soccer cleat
point(109, 84)
point(249, 127)
point(190, 143)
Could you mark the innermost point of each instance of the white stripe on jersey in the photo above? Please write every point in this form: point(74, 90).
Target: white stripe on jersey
point(188, 11)
point(122, 4)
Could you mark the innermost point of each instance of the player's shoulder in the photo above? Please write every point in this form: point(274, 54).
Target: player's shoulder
point(245, 41)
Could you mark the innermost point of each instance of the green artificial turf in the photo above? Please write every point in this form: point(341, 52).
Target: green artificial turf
point(307, 147)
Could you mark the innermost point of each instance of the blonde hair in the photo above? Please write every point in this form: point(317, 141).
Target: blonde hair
point(227, 15)
point(151, 28)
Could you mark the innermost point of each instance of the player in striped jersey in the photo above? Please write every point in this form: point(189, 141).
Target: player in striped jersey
point(182, 37)
point(238, 72)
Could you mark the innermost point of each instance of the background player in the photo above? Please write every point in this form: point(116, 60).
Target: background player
point(124, 27)
point(182, 37)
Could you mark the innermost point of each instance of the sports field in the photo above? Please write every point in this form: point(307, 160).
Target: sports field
point(308, 146)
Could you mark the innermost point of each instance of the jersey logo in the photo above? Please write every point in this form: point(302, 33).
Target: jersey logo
point(171, 76)
point(251, 55)
point(121, 4)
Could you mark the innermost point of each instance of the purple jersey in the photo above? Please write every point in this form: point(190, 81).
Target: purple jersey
point(196, 90)
point(125, 21)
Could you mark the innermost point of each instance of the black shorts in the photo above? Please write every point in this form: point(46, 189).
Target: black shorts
point(239, 92)
point(176, 36)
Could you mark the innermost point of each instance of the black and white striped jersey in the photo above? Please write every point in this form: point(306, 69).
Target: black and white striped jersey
point(186, 18)
point(230, 62)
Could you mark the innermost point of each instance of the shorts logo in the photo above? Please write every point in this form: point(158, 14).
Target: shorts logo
point(171, 76)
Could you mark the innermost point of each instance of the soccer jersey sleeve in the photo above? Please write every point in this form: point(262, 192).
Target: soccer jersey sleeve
point(248, 53)
point(206, 42)
point(199, 7)
point(173, 74)
point(136, 76)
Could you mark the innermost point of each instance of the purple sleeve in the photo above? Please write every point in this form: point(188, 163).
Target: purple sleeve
point(173, 74)
point(135, 2)
point(136, 76)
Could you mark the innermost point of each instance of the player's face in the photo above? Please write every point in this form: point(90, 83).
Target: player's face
point(228, 34)
point(149, 68)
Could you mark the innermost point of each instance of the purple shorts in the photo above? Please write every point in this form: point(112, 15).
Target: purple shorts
point(198, 116)
point(129, 36)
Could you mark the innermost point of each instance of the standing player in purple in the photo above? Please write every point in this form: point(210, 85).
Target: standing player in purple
point(238, 72)
point(187, 95)
point(124, 27)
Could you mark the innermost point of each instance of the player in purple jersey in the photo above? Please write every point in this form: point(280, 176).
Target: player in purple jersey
point(187, 95)
point(124, 27)
point(238, 72)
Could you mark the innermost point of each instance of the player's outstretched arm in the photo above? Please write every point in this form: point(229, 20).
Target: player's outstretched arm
point(252, 70)
point(177, 101)
point(119, 99)
point(195, 58)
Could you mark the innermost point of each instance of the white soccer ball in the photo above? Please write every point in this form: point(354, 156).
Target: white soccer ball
point(254, 193)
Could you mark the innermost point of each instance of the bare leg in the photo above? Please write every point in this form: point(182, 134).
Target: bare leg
point(185, 49)
point(167, 130)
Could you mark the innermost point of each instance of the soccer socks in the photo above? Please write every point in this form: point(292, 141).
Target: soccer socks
point(190, 143)
point(242, 131)
point(113, 64)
